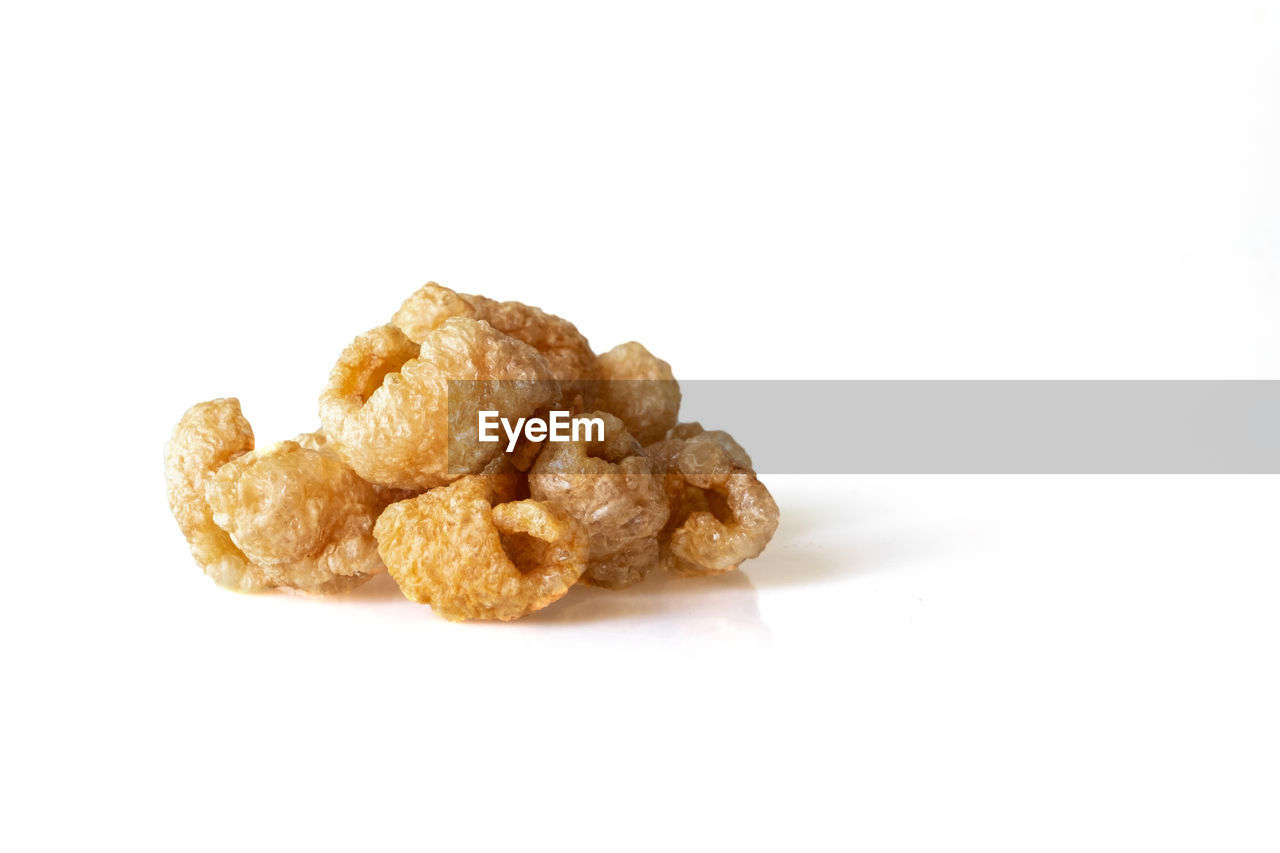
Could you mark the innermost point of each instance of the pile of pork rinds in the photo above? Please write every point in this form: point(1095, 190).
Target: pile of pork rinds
point(397, 478)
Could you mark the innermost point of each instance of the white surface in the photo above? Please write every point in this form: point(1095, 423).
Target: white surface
point(201, 202)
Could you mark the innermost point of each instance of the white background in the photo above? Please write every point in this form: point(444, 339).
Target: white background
point(211, 200)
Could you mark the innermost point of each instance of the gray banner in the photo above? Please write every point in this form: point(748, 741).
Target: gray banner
point(996, 427)
point(970, 427)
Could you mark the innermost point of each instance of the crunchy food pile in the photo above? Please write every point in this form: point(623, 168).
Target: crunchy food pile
point(473, 530)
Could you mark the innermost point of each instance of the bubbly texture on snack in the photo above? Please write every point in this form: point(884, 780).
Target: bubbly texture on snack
point(405, 476)
point(471, 557)
point(388, 411)
point(569, 356)
point(720, 513)
point(283, 516)
point(608, 485)
point(639, 388)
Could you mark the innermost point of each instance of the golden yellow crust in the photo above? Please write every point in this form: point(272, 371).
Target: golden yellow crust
point(610, 487)
point(388, 412)
point(639, 388)
point(721, 514)
point(283, 516)
point(568, 353)
point(454, 549)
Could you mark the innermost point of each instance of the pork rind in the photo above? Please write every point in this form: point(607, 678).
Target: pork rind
point(428, 307)
point(491, 529)
point(303, 517)
point(470, 556)
point(568, 354)
point(320, 443)
point(693, 431)
point(720, 513)
point(283, 516)
point(639, 388)
point(387, 407)
point(608, 485)
point(208, 436)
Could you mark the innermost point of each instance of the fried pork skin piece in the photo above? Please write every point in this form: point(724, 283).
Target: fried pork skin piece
point(387, 411)
point(720, 513)
point(568, 354)
point(639, 388)
point(208, 436)
point(302, 516)
point(320, 443)
point(471, 558)
point(282, 516)
point(609, 486)
point(693, 431)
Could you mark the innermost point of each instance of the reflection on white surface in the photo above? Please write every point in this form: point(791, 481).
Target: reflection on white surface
point(665, 605)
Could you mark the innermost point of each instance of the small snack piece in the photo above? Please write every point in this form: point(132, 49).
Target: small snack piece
point(454, 549)
point(388, 412)
point(283, 516)
point(721, 514)
point(639, 388)
point(694, 432)
point(208, 436)
point(608, 485)
point(567, 352)
point(303, 517)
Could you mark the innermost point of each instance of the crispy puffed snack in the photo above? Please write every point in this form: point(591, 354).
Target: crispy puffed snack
point(388, 412)
point(568, 354)
point(492, 529)
point(429, 306)
point(720, 513)
point(693, 431)
point(283, 516)
point(208, 436)
point(302, 516)
point(639, 388)
point(471, 557)
point(319, 442)
point(609, 485)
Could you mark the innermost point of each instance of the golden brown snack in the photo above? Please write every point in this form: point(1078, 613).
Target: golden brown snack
point(568, 354)
point(428, 307)
point(640, 388)
point(302, 517)
point(721, 514)
point(567, 351)
point(480, 530)
point(608, 485)
point(208, 436)
point(279, 517)
point(693, 431)
point(387, 408)
point(320, 443)
point(454, 549)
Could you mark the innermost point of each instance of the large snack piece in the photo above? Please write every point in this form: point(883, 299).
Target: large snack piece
point(469, 557)
point(283, 516)
point(569, 356)
point(608, 485)
point(387, 408)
